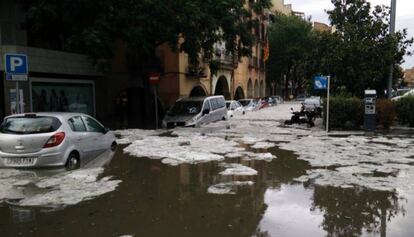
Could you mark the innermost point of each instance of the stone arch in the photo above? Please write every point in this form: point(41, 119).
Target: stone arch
point(222, 88)
point(239, 93)
point(262, 94)
point(250, 88)
point(198, 91)
point(256, 89)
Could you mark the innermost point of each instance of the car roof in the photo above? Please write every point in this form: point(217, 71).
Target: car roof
point(60, 115)
point(200, 98)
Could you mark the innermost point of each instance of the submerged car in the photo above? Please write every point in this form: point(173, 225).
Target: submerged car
point(301, 97)
point(52, 140)
point(234, 108)
point(277, 98)
point(406, 94)
point(249, 104)
point(311, 103)
point(195, 111)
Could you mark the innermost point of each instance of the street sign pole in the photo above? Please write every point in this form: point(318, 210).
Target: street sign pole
point(154, 79)
point(156, 106)
point(17, 98)
point(327, 104)
point(16, 69)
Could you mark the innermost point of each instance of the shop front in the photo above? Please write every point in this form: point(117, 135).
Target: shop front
point(57, 95)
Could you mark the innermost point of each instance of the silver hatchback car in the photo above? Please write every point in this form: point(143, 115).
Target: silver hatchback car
point(52, 140)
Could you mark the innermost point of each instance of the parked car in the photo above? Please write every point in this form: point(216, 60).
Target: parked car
point(301, 97)
point(195, 111)
point(406, 94)
point(249, 104)
point(234, 108)
point(52, 140)
point(272, 101)
point(277, 98)
point(263, 103)
point(312, 103)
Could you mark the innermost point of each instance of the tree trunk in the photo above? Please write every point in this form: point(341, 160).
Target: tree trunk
point(287, 82)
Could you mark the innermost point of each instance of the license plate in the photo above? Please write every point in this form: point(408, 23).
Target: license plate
point(20, 161)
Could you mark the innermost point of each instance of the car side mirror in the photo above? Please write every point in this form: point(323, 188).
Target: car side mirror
point(206, 111)
point(106, 130)
point(291, 109)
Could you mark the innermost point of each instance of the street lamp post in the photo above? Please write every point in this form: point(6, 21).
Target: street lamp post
point(392, 32)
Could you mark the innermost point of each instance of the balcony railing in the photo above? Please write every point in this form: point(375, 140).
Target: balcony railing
point(195, 72)
point(253, 62)
point(225, 60)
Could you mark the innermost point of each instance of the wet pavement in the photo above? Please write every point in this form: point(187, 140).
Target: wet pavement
point(156, 199)
point(246, 178)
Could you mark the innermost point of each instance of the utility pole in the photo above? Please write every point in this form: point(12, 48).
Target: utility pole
point(392, 32)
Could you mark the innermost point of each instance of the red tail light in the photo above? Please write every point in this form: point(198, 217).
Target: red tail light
point(55, 140)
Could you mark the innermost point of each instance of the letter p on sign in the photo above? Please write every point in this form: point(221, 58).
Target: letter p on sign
point(16, 64)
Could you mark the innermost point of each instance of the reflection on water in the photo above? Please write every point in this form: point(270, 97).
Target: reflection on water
point(353, 211)
point(160, 200)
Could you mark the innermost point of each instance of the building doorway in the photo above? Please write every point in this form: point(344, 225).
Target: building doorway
point(197, 91)
point(222, 88)
point(239, 93)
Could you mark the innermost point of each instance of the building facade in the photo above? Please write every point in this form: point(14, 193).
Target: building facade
point(63, 81)
point(236, 78)
point(409, 77)
point(57, 80)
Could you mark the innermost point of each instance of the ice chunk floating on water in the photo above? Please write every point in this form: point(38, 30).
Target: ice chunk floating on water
point(238, 169)
point(62, 189)
point(228, 188)
point(177, 150)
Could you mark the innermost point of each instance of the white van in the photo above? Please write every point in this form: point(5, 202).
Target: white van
point(195, 111)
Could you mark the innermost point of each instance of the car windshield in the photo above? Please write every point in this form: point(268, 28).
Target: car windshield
point(186, 108)
point(29, 125)
point(245, 102)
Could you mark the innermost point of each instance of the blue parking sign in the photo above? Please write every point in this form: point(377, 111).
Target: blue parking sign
point(320, 83)
point(16, 64)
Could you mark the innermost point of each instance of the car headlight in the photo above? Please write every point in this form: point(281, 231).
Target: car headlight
point(192, 120)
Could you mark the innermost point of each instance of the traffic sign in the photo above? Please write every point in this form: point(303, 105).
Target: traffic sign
point(320, 83)
point(154, 78)
point(16, 63)
point(16, 67)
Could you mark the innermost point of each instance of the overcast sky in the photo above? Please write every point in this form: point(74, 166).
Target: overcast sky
point(405, 15)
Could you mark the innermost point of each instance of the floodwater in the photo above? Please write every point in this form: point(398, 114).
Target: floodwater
point(154, 199)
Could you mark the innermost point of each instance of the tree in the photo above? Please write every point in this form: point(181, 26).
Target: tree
point(290, 42)
point(192, 26)
point(363, 48)
point(97, 27)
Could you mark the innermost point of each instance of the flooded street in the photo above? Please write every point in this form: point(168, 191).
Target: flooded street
point(251, 186)
point(155, 199)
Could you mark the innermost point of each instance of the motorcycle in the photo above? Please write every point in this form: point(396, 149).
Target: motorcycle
point(305, 116)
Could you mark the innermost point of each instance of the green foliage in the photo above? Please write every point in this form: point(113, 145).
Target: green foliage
point(290, 44)
point(386, 113)
point(192, 26)
point(405, 110)
point(345, 113)
point(359, 53)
